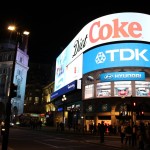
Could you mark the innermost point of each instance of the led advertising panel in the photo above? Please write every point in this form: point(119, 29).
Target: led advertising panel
point(70, 87)
point(60, 70)
point(142, 88)
point(122, 88)
point(74, 70)
point(103, 89)
point(66, 74)
point(122, 76)
point(110, 28)
point(117, 55)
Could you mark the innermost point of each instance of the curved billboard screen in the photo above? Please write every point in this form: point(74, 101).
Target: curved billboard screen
point(117, 55)
point(117, 27)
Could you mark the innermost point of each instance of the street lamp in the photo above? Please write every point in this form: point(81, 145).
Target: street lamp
point(8, 104)
point(11, 28)
point(133, 108)
point(63, 100)
point(24, 34)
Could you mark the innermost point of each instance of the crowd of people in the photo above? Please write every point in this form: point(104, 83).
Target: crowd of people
point(131, 135)
point(35, 124)
point(135, 135)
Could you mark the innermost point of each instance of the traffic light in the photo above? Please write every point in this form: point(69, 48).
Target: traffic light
point(13, 90)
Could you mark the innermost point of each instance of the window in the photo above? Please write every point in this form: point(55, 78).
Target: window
point(103, 89)
point(142, 88)
point(36, 100)
point(0, 58)
point(21, 60)
point(122, 88)
point(89, 91)
point(30, 98)
point(89, 79)
point(9, 57)
point(18, 72)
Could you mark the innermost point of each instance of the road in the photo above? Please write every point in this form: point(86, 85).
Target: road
point(20, 139)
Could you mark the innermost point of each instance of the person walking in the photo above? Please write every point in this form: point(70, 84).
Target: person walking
point(141, 136)
point(134, 135)
point(128, 132)
point(122, 133)
point(102, 132)
point(141, 141)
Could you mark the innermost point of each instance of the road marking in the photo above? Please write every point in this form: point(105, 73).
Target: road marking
point(46, 144)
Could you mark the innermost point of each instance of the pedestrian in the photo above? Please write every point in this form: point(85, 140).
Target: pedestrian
point(128, 132)
point(141, 136)
point(134, 135)
point(39, 124)
point(57, 126)
point(102, 132)
point(98, 128)
point(141, 141)
point(94, 129)
point(122, 133)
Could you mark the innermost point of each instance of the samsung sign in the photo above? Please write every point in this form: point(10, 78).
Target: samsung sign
point(117, 55)
point(122, 76)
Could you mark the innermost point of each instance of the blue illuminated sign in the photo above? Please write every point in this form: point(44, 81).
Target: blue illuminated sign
point(60, 109)
point(70, 87)
point(122, 76)
point(117, 55)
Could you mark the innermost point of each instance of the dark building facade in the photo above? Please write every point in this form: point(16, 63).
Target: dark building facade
point(8, 46)
point(37, 91)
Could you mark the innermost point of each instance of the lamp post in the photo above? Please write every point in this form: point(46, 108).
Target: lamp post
point(82, 121)
point(123, 110)
point(133, 105)
point(8, 104)
point(11, 28)
point(63, 100)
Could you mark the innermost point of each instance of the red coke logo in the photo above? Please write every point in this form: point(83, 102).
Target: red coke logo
point(116, 30)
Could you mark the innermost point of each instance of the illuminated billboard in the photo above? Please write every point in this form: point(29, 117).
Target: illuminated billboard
point(65, 74)
point(110, 28)
point(126, 26)
point(117, 55)
point(117, 89)
point(122, 76)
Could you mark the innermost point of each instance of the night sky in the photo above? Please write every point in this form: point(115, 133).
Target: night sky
point(54, 24)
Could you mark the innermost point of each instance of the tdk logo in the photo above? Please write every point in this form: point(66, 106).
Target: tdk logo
point(108, 77)
point(124, 55)
point(100, 58)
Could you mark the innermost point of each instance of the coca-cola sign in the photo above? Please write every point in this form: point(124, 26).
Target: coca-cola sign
point(111, 28)
point(117, 30)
